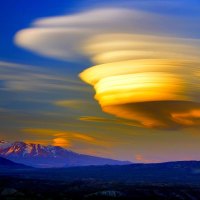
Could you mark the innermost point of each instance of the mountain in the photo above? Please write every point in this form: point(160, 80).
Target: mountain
point(41, 156)
point(7, 164)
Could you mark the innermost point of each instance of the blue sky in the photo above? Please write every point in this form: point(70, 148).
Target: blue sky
point(18, 15)
point(15, 16)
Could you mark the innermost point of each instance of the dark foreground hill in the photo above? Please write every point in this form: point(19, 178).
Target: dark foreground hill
point(165, 181)
point(33, 189)
point(7, 164)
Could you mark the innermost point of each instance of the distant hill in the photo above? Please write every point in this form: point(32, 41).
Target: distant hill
point(182, 172)
point(41, 156)
point(7, 164)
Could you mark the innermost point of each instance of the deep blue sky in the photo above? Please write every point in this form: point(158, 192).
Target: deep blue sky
point(17, 15)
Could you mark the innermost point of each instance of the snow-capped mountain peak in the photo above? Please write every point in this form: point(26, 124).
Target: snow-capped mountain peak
point(38, 155)
point(28, 149)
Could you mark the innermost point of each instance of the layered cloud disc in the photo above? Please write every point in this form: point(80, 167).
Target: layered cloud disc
point(136, 81)
point(136, 74)
point(151, 80)
point(145, 68)
point(106, 48)
point(155, 93)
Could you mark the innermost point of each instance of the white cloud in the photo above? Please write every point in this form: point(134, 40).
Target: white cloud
point(64, 37)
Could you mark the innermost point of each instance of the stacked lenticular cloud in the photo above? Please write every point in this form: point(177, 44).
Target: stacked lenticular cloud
point(137, 75)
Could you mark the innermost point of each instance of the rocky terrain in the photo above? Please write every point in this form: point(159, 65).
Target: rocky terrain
point(90, 189)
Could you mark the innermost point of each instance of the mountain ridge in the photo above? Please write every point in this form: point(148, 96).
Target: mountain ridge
point(41, 156)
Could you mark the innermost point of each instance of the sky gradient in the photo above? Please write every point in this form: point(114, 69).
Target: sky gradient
point(108, 79)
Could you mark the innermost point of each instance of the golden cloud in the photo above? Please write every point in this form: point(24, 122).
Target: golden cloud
point(85, 137)
point(62, 138)
point(62, 142)
point(152, 81)
point(94, 119)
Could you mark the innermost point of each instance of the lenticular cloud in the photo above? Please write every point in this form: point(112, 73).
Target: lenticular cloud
point(140, 74)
